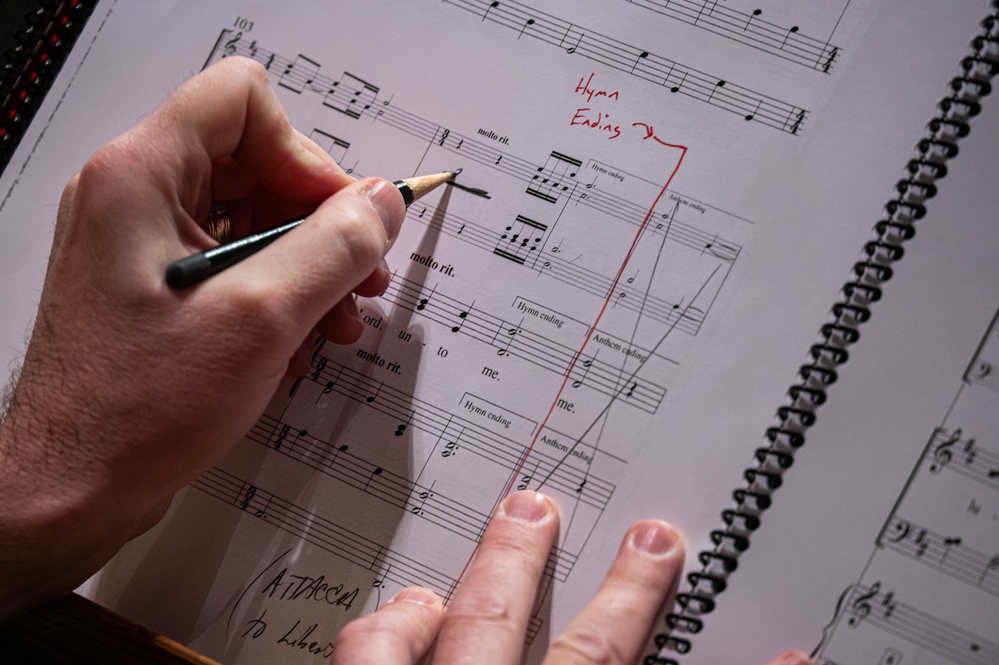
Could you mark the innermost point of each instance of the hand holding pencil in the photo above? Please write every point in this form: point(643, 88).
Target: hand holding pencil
point(131, 388)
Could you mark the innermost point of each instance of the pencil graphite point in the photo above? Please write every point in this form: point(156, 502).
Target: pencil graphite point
point(415, 188)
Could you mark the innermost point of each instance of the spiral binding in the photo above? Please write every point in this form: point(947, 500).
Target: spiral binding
point(804, 397)
point(31, 66)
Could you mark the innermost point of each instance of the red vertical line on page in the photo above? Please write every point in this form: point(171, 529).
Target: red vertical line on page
point(593, 327)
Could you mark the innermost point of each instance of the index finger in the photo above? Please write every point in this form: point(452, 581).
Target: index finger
point(230, 110)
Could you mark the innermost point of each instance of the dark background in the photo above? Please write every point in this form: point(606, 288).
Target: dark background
point(12, 19)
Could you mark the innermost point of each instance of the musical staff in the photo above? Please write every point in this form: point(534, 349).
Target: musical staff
point(748, 28)
point(435, 421)
point(946, 554)
point(589, 281)
point(537, 349)
point(639, 62)
point(520, 239)
point(410, 497)
point(882, 609)
point(954, 452)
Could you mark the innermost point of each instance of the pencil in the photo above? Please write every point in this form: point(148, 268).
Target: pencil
point(196, 268)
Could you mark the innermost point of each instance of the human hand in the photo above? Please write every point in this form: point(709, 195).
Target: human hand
point(130, 389)
point(485, 621)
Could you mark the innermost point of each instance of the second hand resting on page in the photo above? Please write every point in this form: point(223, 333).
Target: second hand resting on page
point(129, 390)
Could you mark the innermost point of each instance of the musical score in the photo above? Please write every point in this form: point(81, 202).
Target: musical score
point(787, 43)
point(415, 499)
point(638, 62)
point(947, 554)
point(882, 609)
point(939, 548)
point(510, 338)
point(387, 563)
point(436, 421)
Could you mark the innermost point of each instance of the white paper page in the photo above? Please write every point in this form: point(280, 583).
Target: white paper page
point(876, 471)
point(478, 371)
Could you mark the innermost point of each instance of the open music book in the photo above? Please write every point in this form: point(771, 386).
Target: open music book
point(660, 203)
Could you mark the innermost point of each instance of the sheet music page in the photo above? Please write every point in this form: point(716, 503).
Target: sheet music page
point(657, 205)
point(882, 545)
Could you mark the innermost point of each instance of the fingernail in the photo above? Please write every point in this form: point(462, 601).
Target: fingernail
point(653, 537)
point(349, 306)
point(794, 658)
point(417, 596)
point(387, 202)
point(527, 506)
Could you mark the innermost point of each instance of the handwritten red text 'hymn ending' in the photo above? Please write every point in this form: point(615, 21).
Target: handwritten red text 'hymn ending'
point(600, 119)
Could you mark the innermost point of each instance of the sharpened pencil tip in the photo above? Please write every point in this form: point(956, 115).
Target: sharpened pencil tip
point(454, 174)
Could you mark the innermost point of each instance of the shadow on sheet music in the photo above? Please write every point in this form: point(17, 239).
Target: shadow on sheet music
point(332, 469)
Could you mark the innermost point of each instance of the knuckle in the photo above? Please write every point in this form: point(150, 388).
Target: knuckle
point(247, 68)
point(362, 235)
point(480, 610)
point(587, 646)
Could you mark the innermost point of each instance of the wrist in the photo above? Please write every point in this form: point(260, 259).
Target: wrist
point(54, 532)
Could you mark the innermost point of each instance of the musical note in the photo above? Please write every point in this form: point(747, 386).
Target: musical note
point(376, 472)
point(450, 448)
point(676, 88)
point(350, 95)
point(991, 566)
point(719, 84)
point(547, 184)
point(463, 316)
point(299, 73)
point(631, 390)
point(790, 32)
point(371, 398)
point(750, 116)
point(586, 367)
point(527, 24)
point(334, 147)
point(262, 512)
point(401, 428)
point(498, 160)
point(756, 12)
point(641, 56)
point(511, 333)
point(422, 305)
point(572, 49)
point(519, 239)
point(493, 5)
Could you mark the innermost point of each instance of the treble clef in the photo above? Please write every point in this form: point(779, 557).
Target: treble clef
point(861, 606)
point(942, 453)
point(230, 46)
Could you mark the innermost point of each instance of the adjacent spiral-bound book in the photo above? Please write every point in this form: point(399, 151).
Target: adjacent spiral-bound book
point(658, 202)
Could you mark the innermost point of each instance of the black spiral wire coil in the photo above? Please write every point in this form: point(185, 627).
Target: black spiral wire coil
point(30, 67)
point(793, 419)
